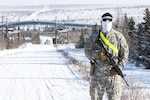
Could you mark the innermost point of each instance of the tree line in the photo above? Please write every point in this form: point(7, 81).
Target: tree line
point(138, 38)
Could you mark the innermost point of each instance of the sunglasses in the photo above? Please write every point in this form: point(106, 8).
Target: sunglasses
point(105, 19)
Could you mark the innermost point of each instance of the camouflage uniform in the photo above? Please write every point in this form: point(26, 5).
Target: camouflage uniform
point(102, 79)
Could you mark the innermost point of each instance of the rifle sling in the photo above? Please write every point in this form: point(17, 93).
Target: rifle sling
point(108, 43)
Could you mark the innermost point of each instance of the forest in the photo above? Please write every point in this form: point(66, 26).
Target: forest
point(138, 38)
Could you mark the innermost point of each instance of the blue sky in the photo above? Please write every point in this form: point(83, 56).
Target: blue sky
point(48, 2)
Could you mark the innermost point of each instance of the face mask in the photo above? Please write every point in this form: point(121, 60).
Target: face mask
point(106, 26)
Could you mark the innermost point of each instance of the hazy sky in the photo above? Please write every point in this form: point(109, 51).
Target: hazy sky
point(48, 2)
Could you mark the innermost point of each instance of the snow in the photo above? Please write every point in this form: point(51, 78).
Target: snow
point(41, 72)
point(89, 14)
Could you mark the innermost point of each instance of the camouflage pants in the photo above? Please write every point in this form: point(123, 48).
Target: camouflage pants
point(111, 84)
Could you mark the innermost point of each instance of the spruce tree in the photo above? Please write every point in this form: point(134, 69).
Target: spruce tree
point(129, 32)
point(147, 19)
point(126, 21)
point(81, 42)
point(146, 33)
point(143, 38)
point(131, 24)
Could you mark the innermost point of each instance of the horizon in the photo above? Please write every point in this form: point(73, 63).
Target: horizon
point(72, 2)
point(76, 5)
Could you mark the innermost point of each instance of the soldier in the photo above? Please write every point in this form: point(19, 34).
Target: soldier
point(104, 77)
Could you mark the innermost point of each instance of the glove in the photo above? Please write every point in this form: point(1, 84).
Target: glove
point(92, 62)
point(113, 72)
point(103, 57)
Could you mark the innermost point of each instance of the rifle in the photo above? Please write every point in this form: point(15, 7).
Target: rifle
point(112, 62)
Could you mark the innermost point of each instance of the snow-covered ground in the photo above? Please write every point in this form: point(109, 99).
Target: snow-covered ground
point(40, 72)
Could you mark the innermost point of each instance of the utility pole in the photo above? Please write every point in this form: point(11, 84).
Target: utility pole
point(68, 31)
point(56, 31)
point(6, 28)
point(3, 37)
point(6, 35)
point(2, 24)
point(68, 35)
point(19, 35)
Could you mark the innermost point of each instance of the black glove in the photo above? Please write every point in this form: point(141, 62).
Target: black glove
point(92, 62)
point(113, 72)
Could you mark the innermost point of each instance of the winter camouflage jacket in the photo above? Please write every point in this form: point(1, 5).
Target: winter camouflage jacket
point(93, 49)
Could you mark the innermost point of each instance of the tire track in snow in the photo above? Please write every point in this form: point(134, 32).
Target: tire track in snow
point(39, 74)
point(48, 82)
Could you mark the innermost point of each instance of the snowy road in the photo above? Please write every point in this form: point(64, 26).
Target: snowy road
point(39, 73)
